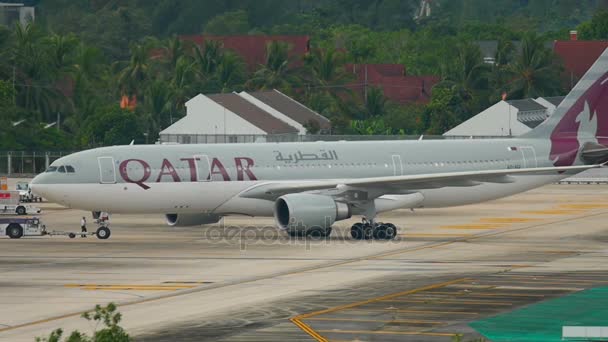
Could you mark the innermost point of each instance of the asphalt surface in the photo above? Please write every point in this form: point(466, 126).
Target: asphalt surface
point(244, 281)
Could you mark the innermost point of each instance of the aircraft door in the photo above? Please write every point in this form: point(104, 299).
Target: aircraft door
point(529, 156)
point(397, 165)
point(107, 170)
point(203, 168)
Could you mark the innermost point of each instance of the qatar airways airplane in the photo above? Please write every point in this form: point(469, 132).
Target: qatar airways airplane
point(309, 186)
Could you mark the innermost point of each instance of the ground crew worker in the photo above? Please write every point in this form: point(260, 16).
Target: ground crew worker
point(83, 227)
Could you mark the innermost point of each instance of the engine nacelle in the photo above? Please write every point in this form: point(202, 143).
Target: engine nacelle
point(302, 212)
point(188, 220)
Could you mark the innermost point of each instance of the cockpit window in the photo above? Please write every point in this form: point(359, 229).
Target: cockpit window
point(61, 169)
point(70, 169)
point(51, 169)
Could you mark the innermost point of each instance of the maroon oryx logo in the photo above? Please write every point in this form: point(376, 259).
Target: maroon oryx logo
point(585, 121)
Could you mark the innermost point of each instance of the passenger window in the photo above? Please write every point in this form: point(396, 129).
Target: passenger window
point(70, 169)
point(61, 169)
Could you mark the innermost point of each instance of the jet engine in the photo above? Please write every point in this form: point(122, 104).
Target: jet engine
point(188, 220)
point(303, 212)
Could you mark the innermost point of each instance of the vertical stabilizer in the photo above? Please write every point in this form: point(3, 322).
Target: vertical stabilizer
point(581, 118)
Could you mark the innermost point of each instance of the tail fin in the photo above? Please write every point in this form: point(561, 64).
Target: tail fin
point(581, 118)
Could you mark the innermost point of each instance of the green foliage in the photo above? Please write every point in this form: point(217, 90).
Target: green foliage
point(235, 22)
point(114, 126)
point(596, 29)
point(111, 331)
point(81, 56)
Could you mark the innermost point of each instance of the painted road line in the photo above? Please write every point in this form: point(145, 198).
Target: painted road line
point(584, 206)
point(129, 287)
point(377, 332)
point(474, 226)
point(307, 329)
point(430, 312)
point(508, 219)
point(405, 321)
point(449, 301)
point(498, 294)
point(553, 212)
point(433, 235)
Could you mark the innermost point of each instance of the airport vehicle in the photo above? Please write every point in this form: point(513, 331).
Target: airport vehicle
point(10, 203)
point(309, 186)
point(26, 193)
point(18, 227)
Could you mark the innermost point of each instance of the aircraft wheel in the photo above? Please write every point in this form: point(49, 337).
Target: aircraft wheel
point(379, 232)
point(356, 231)
point(390, 231)
point(103, 233)
point(14, 231)
point(368, 232)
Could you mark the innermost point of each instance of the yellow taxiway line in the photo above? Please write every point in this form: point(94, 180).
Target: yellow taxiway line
point(314, 334)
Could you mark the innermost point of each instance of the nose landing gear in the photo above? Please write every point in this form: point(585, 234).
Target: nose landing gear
point(367, 230)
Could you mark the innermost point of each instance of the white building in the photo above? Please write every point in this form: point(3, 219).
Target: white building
point(507, 118)
point(242, 117)
point(16, 12)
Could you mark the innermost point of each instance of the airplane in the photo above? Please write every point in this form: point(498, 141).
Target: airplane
point(309, 186)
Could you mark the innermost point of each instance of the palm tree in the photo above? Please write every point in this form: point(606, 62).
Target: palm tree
point(375, 104)
point(34, 73)
point(181, 85)
point(230, 73)
point(276, 73)
point(467, 76)
point(326, 90)
point(535, 71)
point(208, 57)
point(132, 76)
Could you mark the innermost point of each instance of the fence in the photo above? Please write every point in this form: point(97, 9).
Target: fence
point(22, 163)
point(251, 138)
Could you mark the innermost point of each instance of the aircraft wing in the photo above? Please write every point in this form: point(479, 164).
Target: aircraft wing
point(379, 186)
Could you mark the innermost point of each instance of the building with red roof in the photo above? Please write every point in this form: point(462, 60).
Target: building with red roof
point(252, 48)
point(578, 56)
point(392, 79)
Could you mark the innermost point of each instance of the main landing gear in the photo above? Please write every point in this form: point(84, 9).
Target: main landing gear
point(368, 230)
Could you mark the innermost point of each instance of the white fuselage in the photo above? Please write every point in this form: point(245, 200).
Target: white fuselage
point(209, 178)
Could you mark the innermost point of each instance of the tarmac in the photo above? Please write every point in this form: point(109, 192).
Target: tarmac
point(242, 280)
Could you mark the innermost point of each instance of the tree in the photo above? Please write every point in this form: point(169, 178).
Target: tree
point(230, 73)
point(467, 75)
point(132, 76)
point(535, 71)
point(113, 126)
point(375, 104)
point(277, 72)
point(235, 22)
point(208, 57)
point(596, 28)
point(108, 316)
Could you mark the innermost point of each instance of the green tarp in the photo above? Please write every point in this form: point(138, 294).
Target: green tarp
point(544, 321)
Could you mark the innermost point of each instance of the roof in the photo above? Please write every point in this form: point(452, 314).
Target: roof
point(555, 100)
point(396, 86)
point(526, 105)
point(291, 108)
point(253, 114)
point(252, 48)
point(578, 55)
